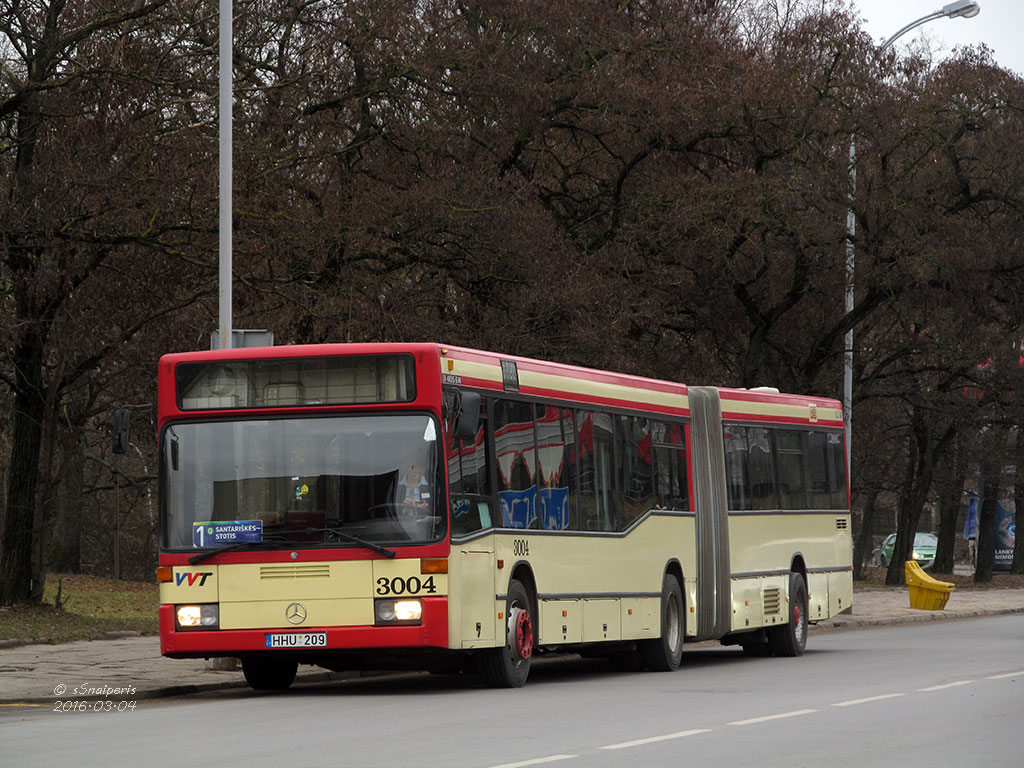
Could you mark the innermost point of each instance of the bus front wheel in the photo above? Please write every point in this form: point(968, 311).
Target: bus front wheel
point(509, 666)
point(263, 674)
point(664, 653)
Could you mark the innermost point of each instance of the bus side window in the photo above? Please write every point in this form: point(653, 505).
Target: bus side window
point(737, 480)
point(468, 481)
point(594, 443)
point(555, 441)
point(789, 461)
point(761, 469)
point(672, 484)
point(515, 449)
point(817, 470)
point(633, 468)
point(837, 475)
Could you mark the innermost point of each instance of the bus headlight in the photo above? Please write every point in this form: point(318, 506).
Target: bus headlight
point(397, 612)
point(204, 616)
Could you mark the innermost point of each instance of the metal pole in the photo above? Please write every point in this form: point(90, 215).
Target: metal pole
point(225, 106)
point(965, 9)
point(117, 527)
point(851, 230)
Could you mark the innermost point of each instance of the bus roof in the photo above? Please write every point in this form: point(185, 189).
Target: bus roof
point(527, 377)
point(539, 378)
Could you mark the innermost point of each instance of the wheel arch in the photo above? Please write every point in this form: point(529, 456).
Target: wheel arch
point(673, 567)
point(799, 566)
point(522, 572)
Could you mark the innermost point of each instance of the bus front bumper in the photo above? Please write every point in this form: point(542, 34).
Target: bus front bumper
point(431, 632)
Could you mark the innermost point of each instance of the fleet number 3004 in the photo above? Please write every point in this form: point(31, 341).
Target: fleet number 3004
point(412, 585)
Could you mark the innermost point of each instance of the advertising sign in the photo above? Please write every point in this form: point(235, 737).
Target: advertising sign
point(1006, 534)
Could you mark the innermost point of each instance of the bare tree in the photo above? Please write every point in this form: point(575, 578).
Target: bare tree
point(87, 136)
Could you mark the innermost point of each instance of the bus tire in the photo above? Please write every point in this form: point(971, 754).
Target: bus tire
point(509, 666)
point(263, 674)
point(664, 653)
point(790, 639)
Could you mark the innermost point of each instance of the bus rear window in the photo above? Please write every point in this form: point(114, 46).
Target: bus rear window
point(286, 382)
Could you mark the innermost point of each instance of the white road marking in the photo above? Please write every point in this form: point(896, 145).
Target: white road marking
point(1008, 674)
point(947, 685)
point(882, 697)
point(653, 739)
point(535, 761)
point(753, 720)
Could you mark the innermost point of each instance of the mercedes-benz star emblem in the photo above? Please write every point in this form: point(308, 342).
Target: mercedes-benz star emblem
point(295, 613)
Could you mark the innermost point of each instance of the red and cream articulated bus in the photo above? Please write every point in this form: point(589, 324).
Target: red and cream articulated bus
point(398, 506)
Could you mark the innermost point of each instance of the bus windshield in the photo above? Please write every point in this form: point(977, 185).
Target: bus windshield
point(287, 482)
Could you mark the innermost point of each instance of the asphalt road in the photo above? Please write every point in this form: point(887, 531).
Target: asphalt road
point(938, 694)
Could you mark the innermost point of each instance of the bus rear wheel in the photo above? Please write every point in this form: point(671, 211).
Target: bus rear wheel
point(263, 674)
point(663, 654)
point(509, 666)
point(790, 639)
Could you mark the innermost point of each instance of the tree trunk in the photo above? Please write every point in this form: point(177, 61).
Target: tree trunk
point(907, 518)
point(926, 451)
point(894, 574)
point(862, 548)
point(950, 495)
point(16, 584)
point(65, 544)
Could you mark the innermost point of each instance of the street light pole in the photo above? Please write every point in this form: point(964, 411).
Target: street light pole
point(225, 71)
point(965, 9)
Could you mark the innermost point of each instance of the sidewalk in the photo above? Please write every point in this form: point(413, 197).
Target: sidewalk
point(128, 669)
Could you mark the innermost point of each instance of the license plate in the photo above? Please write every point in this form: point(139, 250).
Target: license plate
point(296, 640)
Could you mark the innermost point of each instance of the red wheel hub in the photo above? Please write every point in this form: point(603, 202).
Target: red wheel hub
point(524, 635)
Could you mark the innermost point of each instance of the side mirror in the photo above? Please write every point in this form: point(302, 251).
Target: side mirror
point(465, 415)
point(122, 419)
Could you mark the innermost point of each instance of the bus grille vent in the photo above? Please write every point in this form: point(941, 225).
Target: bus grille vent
point(841, 523)
point(773, 600)
point(312, 571)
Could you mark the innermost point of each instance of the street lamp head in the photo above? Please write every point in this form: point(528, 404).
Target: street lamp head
point(961, 9)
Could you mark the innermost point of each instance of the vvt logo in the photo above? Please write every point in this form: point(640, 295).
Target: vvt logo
point(202, 576)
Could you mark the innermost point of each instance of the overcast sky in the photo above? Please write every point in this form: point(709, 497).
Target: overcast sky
point(1000, 26)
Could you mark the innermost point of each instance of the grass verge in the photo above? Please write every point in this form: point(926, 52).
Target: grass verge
point(90, 606)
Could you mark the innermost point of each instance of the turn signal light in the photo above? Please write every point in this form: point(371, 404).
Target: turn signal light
point(434, 565)
point(164, 574)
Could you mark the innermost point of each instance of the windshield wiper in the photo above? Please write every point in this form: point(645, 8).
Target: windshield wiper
point(279, 538)
point(354, 539)
point(232, 547)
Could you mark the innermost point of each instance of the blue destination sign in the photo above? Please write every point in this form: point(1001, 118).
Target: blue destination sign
point(213, 534)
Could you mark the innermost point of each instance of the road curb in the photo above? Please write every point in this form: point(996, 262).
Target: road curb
point(923, 618)
point(18, 642)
